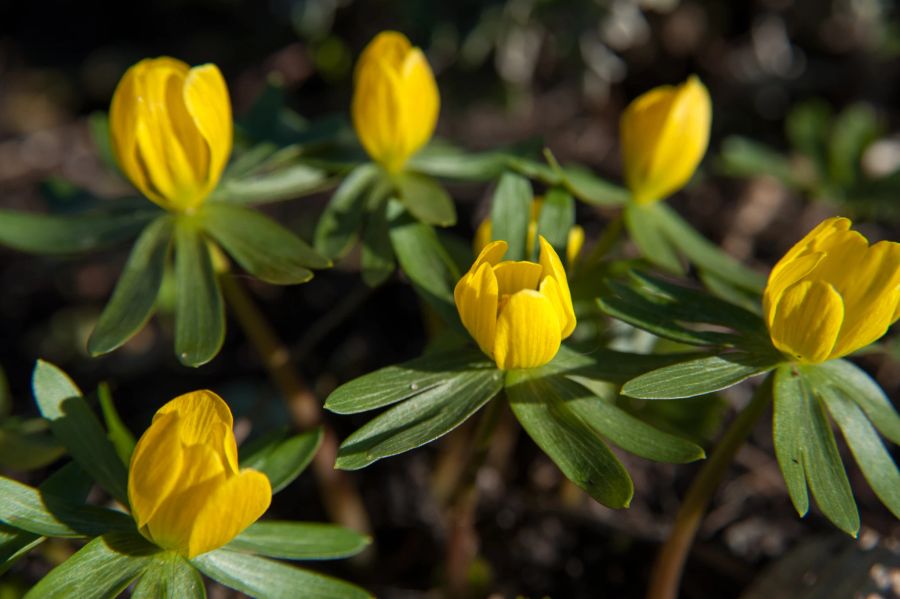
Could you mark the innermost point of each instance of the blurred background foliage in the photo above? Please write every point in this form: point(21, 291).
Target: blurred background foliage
point(806, 124)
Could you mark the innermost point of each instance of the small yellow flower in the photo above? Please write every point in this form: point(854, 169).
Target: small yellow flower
point(171, 130)
point(664, 134)
point(186, 490)
point(395, 100)
point(518, 312)
point(574, 242)
point(832, 293)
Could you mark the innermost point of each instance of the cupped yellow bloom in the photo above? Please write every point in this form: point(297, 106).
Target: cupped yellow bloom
point(171, 130)
point(186, 490)
point(664, 134)
point(574, 242)
point(395, 100)
point(832, 293)
point(517, 312)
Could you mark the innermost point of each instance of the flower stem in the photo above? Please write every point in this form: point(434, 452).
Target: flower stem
point(462, 539)
point(340, 496)
point(666, 575)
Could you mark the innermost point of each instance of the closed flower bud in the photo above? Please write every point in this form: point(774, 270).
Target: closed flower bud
point(574, 242)
point(395, 100)
point(171, 130)
point(664, 134)
point(186, 490)
point(832, 293)
point(517, 312)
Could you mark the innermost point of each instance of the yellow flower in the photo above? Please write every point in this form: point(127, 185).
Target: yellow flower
point(518, 312)
point(832, 293)
point(395, 100)
point(574, 242)
point(186, 490)
point(171, 130)
point(664, 134)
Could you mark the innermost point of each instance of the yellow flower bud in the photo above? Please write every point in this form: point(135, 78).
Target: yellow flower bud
point(171, 130)
point(574, 243)
point(832, 293)
point(186, 490)
point(664, 134)
point(517, 312)
point(395, 100)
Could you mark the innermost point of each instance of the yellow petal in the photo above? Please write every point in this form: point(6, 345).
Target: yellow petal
point(785, 274)
point(869, 285)
point(528, 333)
point(552, 267)
point(420, 103)
point(155, 465)
point(515, 276)
point(476, 297)
point(390, 47)
point(807, 320)
point(199, 412)
point(664, 136)
point(482, 236)
point(550, 289)
point(574, 244)
point(229, 509)
point(206, 99)
point(491, 254)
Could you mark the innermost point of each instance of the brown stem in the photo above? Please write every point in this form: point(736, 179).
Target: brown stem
point(341, 499)
point(666, 575)
point(462, 541)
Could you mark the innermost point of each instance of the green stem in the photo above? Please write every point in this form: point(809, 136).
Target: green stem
point(606, 241)
point(666, 575)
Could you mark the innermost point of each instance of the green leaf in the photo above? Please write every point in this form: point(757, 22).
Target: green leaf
point(510, 212)
point(589, 188)
point(425, 261)
point(15, 544)
point(103, 568)
point(598, 409)
point(27, 445)
point(870, 453)
point(704, 254)
point(402, 381)
point(609, 365)
point(199, 310)
point(556, 219)
point(299, 540)
point(134, 298)
point(261, 246)
point(648, 234)
point(541, 404)
point(266, 579)
point(440, 159)
point(698, 377)
point(420, 419)
point(76, 426)
point(118, 434)
point(426, 199)
point(169, 576)
point(377, 254)
point(744, 157)
point(44, 513)
point(263, 186)
point(70, 234)
point(339, 223)
point(282, 460)
point(807, 453)
point(855, 384)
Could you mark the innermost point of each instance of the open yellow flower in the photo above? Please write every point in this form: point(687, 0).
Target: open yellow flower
point(171, 130)
point(664, 134)
point(832, 293)
point(517, 312)
point(186, 490)
point(574, 242)
point(395, 100)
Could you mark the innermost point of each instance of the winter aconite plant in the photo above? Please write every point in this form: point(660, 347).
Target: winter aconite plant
point(193, 506)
